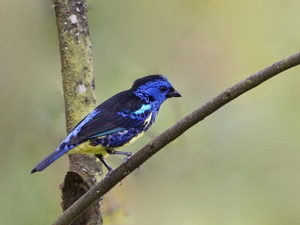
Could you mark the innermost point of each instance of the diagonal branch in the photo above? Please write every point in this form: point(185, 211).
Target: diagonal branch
point(171, 134)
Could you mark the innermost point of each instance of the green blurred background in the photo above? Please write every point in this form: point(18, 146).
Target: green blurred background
point(238, 167)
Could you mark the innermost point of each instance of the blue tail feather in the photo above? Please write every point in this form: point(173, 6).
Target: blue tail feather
point(51, 158)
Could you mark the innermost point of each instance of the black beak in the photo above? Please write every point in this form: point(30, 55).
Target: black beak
point(173, 94)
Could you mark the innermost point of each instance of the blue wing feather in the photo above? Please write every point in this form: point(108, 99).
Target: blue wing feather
point(121, 112)
point(119, 129)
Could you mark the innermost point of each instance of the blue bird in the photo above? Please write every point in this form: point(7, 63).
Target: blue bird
point(117, 122)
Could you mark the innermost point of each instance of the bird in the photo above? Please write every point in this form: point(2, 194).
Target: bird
point(117, 122)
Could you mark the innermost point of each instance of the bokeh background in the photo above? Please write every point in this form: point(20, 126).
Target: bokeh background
point(239, 166)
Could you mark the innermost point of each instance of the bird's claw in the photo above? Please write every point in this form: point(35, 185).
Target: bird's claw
point(109, 171)
point(127, 157)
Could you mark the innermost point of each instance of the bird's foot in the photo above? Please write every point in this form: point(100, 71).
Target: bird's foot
point(108, 167)
point(109, 172)
point(127, 154)
point(127, 157)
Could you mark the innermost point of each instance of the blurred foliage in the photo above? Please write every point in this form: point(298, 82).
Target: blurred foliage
point(239, 166)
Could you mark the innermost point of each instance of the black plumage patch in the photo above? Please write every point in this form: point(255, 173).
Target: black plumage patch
point(146, 79)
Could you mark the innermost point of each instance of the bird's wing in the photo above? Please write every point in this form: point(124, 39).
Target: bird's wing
point(116, 114)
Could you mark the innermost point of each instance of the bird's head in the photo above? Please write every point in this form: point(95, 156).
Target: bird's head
point(154, 89)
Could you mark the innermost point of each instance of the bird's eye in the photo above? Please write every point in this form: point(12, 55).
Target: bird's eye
point(163, 88)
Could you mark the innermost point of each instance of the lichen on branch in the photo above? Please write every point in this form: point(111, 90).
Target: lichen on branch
point(76, 59)
point(79, 96)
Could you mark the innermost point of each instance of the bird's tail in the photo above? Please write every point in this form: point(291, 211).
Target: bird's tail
point(62, 149)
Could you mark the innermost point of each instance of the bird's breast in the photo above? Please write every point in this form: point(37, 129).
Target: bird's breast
point(132, 140)
point(146, 124)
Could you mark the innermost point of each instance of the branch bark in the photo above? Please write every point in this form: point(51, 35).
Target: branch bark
point(172, 133)
point(79, 95)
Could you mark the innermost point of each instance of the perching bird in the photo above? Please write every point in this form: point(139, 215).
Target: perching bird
point(117, 122)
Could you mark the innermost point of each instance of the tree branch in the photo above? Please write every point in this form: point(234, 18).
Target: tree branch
point(172, 133)
point(79, 95)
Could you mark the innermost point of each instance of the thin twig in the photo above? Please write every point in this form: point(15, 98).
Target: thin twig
point(172, 133)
